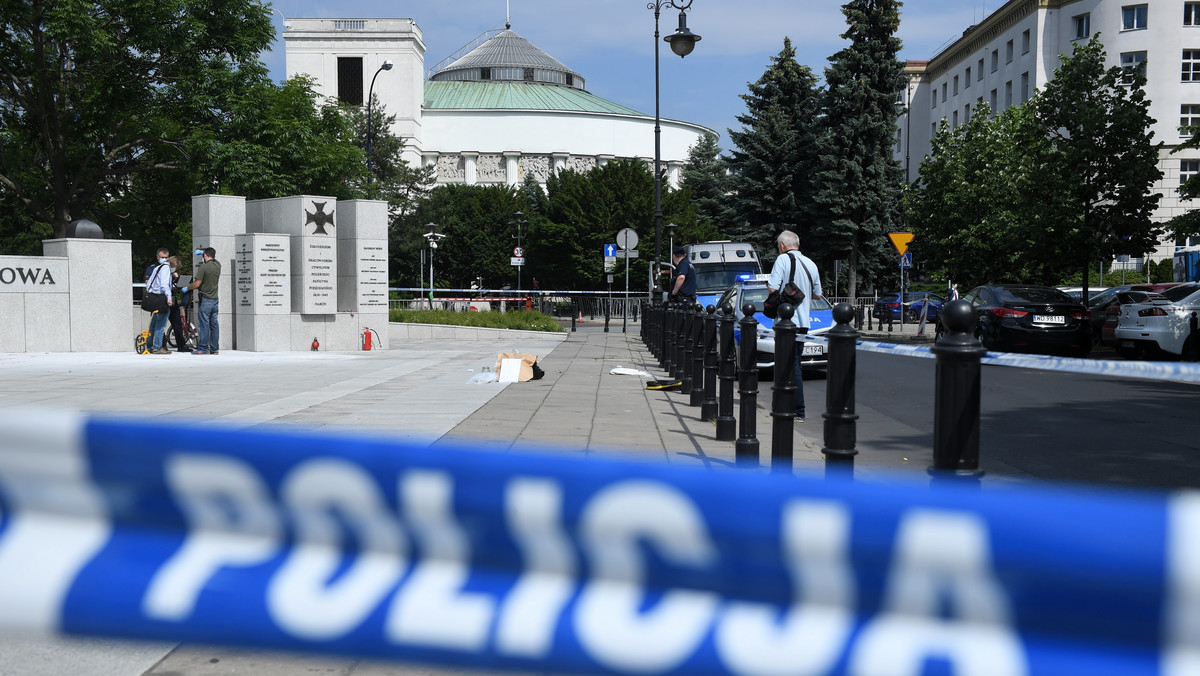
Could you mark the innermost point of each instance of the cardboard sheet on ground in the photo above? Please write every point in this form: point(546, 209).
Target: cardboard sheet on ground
point(515, 367)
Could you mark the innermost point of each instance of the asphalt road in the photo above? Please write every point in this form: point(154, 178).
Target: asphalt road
point(1057, 427)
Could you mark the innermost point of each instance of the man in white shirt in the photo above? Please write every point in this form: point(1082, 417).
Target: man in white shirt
point(809, 280)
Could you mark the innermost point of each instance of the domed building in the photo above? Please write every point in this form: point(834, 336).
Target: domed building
point(494, 113)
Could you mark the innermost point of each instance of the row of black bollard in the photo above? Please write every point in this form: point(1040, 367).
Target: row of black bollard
point(698, 347)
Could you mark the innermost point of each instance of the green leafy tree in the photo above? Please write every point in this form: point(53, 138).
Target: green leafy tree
point(980, 208)
point(95, 93)
point(1099, 122)
point(858, 181)
point(707, 180)
point(774, 154)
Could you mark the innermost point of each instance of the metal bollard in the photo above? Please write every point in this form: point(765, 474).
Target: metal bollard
point(840, 429)
point(956, 398)
point(696, 394)
point(607, 312)
point(572, 317)
point(708, 408)
point(726, 423)
point(686, 348)
point(783, 391)
point(745, 449)
point(668, 340)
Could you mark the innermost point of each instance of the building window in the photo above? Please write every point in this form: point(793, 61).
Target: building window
point(1191, 13)
point(995, 60)
point(1188, 169)
point(1024, 87)
point(570, 80)
point(979, 70)
point(1189, 116)
point(485, 73)
point(966, 113)
point(993, 101)
point(932, 129)
point(1083, 26)
point(934, 97)
point(528, 75)
point(956, 85)
point(1191, 65)
point(955, 123)
point(1008, 51)
point(1025, 42)
point(967, 78)
point(350, 80)
point(1131, 61)
point(944, 97)
point(1008, 94)
point(1133, 17)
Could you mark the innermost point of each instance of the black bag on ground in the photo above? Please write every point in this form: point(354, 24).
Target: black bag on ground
point(790, 293)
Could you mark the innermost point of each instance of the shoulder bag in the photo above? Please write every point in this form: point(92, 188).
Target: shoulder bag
point(154, 302)
point(790, 293)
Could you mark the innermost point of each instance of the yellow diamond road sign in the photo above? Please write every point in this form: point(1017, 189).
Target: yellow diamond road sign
point(900, 240)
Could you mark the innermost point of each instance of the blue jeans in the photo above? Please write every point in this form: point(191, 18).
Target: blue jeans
point(158, 322)
point(799, 376)
point(210, 329)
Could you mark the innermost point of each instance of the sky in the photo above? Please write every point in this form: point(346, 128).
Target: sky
point(611, 42)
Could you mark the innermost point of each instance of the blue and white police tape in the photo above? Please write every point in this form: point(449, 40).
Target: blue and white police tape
point(560, 563)
point(1176, 372)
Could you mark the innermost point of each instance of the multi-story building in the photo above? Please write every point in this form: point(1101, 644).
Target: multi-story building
point(1014, 51)
point(494, 113)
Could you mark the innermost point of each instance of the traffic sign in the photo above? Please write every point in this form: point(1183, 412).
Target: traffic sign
point(610, 250)
point(900, 240)
point(627, 238)
point(519, 251)
point(627, 254)
point(906, 260)
point(517, 261)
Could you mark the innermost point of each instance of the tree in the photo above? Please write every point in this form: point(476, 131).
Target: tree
point(979, 209)
point(392, 177)
point(774, 154)
point(1099, 122)
point(858, 180)
point(94, 93)
point(706, 178)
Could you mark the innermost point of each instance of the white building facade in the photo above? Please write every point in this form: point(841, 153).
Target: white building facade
point(1015, 50)
point(494, 115)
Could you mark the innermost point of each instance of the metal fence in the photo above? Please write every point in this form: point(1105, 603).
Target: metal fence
point(556, 303)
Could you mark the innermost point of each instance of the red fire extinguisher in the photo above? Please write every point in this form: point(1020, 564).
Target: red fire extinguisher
point(366, 345)
point(315, 344)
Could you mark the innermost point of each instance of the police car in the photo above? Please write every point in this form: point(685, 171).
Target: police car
point(753, 289)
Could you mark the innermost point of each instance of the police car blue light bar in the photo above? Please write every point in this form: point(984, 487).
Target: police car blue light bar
point(555, 563)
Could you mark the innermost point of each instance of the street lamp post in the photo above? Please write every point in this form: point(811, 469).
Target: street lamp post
point(387, 65)
point(520, 221)
point(682, 42)
point(432, 237)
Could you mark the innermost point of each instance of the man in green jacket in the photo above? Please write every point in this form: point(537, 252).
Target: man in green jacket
point(205, 278)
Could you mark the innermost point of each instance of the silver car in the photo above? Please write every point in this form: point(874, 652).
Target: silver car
point(1163, 322)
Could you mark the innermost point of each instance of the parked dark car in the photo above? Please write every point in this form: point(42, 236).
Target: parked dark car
point(889, 303)
point(1027, 318)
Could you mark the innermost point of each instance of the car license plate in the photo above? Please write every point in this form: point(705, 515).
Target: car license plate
point(813, 350)
point(1049, 319)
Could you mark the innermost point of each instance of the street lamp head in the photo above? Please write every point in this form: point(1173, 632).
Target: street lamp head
point(387, 64)
point(682, 41)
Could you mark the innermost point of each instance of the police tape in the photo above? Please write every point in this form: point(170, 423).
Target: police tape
point(1177, 372)
point(560, 563)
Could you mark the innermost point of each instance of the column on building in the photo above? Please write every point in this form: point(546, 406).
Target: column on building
point(512, 167)
point(673, 173)
point(603, 160)
point(430, 159)
point(470, 167)
point(558, 162)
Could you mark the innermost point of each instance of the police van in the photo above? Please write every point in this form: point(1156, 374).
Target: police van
point(718, 265)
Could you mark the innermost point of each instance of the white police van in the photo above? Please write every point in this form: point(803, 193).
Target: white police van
point(718, 265)
point(753, 289)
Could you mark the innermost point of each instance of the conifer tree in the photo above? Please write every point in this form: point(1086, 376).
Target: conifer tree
point(773, 157)
point(706, 178)
point(859, 183)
